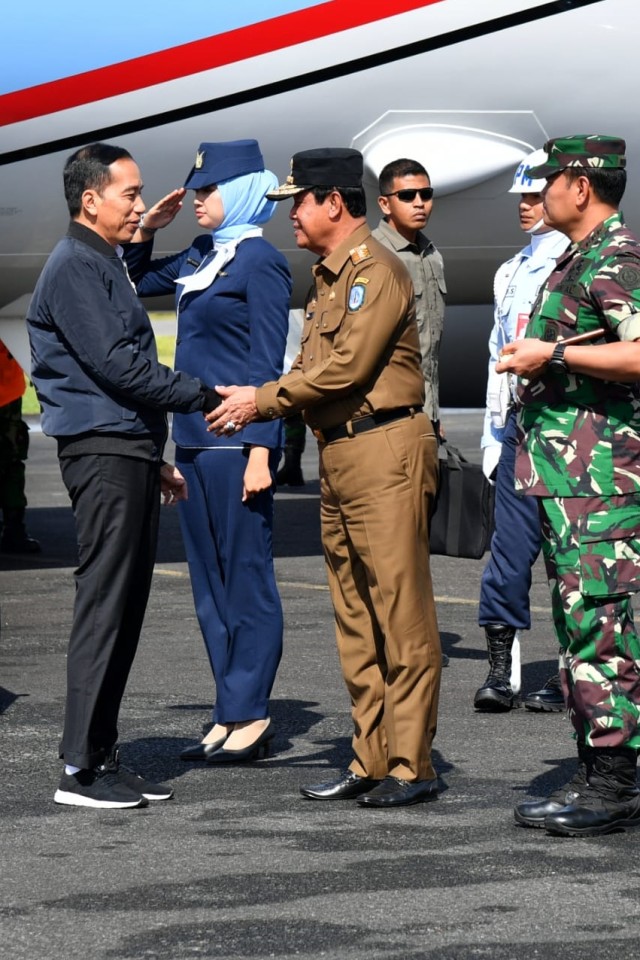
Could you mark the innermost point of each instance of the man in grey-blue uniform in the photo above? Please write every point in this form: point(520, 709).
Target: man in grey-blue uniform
point(515, 544)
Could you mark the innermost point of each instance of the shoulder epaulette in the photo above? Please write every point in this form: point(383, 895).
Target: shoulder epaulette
point(358, 254)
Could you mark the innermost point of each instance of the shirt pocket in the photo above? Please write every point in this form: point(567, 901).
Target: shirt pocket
point(329, 321)
point(557, 318)
point(438, 273)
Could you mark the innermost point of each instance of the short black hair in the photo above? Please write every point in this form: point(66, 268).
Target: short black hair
point(608, 185)
point(88, 169)
point(353, 197)
point(399, 168)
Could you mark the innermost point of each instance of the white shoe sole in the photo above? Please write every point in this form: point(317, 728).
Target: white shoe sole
point(77, 800)
point(156, 796)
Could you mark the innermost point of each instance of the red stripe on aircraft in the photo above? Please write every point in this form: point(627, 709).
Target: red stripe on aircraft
point(288, 30)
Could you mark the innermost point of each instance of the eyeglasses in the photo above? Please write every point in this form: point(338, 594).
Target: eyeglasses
point(408, 196)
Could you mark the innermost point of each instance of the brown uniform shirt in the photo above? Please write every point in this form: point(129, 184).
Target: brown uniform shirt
point(359, 351)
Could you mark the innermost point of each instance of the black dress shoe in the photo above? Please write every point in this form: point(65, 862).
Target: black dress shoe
point(260, 748)
point(346, 787)
point(533, 812)
point(548, 699)
point(394, 792)
point(202, 751)
point(589, 816)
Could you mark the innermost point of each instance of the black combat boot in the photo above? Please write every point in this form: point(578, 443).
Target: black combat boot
point(496, 695)
point(610, 800)
point(533, 813)
point(15, 538)
point(290, 473)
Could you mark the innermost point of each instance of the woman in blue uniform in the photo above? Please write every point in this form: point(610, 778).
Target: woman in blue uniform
point(232, 291)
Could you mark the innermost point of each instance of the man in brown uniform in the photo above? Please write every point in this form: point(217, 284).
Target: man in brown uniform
point(359, 383)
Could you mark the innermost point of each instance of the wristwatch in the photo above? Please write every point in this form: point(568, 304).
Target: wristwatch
point(557, 362)
point(141, 225)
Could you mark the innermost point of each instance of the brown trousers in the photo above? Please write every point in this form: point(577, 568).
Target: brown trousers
point(376, 492)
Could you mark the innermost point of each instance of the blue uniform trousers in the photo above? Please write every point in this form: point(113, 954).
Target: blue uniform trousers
point(515, 545)
point(229, 551)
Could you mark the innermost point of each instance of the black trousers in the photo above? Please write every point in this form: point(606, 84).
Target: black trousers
point(116, 503)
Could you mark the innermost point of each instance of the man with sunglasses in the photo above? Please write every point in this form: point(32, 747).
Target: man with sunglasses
point(406, 201)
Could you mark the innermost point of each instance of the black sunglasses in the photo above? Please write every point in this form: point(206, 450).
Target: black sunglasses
point(408, 196)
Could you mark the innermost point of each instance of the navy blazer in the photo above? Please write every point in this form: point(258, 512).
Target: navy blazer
point(233, 332)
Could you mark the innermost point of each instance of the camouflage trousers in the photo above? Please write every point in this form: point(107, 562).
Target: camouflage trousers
point(591, 547)
point(14, 445)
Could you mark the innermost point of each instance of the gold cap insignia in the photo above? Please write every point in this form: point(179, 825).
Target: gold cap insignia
point(199, 160)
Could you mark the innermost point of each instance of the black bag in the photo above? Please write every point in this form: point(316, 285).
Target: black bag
point(462, 521)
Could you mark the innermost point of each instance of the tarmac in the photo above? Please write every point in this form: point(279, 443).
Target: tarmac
point(239, 865)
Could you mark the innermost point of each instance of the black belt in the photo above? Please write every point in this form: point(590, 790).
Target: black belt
point(362, 424)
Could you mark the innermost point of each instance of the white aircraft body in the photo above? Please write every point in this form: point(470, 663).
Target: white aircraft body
point(468, 87)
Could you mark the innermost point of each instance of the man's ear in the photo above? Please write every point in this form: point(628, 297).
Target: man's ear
point(90, 199)
point(336, 204)
point(583, 189)
point(383, 203)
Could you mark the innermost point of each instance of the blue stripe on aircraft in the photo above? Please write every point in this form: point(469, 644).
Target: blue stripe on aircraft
point(47, 40)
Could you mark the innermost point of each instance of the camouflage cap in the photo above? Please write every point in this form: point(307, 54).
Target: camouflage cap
point(581, 150)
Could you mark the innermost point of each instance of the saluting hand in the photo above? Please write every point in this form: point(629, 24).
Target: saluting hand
point(164, 211)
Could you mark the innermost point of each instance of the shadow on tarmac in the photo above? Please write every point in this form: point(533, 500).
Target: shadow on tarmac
point(238, 866)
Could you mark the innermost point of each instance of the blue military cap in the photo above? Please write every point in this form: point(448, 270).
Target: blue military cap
point(221, 161)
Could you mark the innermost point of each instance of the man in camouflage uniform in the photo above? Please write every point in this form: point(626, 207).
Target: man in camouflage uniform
point(579, 449)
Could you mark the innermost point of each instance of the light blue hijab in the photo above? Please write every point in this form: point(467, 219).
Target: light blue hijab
point(244, 204)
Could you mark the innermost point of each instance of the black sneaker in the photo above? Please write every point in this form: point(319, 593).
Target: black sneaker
point(100, 788)
point(149, 790)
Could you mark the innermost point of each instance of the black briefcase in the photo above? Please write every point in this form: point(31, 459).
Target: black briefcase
point(462, 520)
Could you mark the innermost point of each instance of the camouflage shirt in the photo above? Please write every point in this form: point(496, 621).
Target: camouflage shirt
point(580, 436)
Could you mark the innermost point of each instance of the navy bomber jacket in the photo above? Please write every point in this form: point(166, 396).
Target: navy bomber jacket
point(94, 359)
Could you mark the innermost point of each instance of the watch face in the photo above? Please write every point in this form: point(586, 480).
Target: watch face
point(557, 363)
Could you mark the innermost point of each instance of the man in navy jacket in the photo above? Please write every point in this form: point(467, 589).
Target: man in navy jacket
point(104, 397)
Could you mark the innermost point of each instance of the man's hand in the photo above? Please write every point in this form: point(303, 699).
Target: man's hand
point(173, 485)
point(525, 358)
point(237, 410)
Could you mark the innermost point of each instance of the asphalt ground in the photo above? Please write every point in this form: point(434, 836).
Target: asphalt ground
point(238, 865)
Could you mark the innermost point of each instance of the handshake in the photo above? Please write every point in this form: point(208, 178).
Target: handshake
point(211, 399)
point(229, 409)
